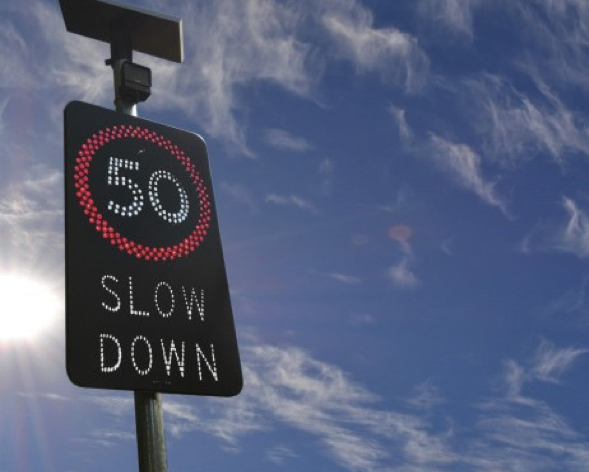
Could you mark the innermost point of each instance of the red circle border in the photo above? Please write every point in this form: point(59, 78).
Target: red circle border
point(96, 219)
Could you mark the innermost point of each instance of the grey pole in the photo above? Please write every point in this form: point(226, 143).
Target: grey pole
point(149, 425)
point(149, 421)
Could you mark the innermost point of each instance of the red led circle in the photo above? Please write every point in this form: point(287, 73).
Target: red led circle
point(97, 220)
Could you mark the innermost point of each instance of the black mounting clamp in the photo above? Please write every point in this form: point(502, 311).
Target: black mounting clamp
point(132, 81)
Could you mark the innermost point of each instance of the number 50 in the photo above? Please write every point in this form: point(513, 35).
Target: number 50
point(114, 178)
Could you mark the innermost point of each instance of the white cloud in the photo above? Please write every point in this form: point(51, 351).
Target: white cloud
point(455, 15)
point(233, 44)
point(281, 454)
point(59, 60)
point(116, 405)
point(31, 218)
point(292, 200)
point(241, 194)
point(286, 387)
point(405, 131)
point(547, 365)
point(282, 139)
point(517, 127)
point(464, 165)
point(388, 51)
point(230, 45)
point(556, 32)
point(514, 378)
point(551, 362)
point(361, 319)
point(574, 237)
point(345, 279)
point(520, 429)
point(401, 276)
point(570, 236)
point(318, 398)
point(527, 434)
point(14, 51)
point(572, 301)
point(426, 397)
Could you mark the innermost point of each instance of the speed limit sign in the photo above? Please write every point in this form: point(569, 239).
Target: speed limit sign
point(147, 298)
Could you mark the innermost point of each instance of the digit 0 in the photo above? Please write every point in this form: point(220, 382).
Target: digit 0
point(153, 191)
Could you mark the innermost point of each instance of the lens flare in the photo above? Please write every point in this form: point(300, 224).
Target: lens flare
point(27, 307)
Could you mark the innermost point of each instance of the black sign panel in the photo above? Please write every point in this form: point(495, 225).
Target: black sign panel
point(147, 298)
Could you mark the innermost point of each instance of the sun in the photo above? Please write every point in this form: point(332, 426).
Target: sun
point(27, 307)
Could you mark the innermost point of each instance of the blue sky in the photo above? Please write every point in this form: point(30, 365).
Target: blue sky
point(402, 193)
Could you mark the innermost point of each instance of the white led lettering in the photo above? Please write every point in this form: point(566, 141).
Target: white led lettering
point(132, 309)
point(117, 364)
point(173, 353)
point(165, 314)
point(148, 344)
point(154, 198)
point(114, 308)
point(212, 366)
point(194, 300)
point(115, 179)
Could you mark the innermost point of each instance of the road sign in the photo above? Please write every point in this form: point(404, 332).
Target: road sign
point(147, 298)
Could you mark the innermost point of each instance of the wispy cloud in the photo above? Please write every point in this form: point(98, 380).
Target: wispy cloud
point(109, 437)
point(231, 45)
point(405, 131)
point(455, 15)
point(240, 194)
point(464, 165)
point(344, 278)
point(13, 48)
point(516, 127)
point(570, 236)
point(281, 454)
point(286, 387)
point(116, 405)
point(361, 319)
point(556, 31)
point(520, 429)
point(65, 61)
point(574, 237)
point(292, 200)
point(388, 51)
point(572, 301)
point(234, 44)
point(30, 215)
point(550, 362)
point(401, 275)
point(426, 396)
point(319, 399)
point(282, 139)
point(527, 433)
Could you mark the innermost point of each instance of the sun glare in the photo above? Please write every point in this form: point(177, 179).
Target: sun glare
point(27, 307)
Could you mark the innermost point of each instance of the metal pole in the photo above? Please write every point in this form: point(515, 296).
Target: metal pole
point(149, 421)
point(149, 425)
